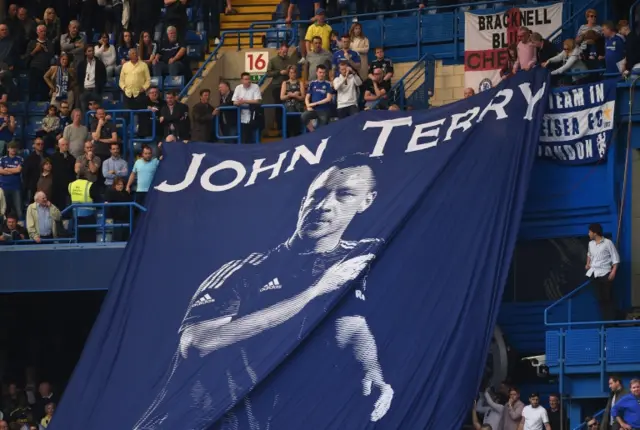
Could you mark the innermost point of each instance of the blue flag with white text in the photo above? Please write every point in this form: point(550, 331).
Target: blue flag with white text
point(342, 279)
point(578, 125)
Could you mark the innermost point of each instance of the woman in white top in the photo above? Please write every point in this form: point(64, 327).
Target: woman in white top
point(360, 44)
point(107, 54)
point(572, 61)
point(592, 17)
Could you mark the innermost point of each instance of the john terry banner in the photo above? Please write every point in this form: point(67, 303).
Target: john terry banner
point(487, 37)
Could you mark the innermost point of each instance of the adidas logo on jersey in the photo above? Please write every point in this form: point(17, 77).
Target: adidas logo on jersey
point(204, 300)
point(272, 285)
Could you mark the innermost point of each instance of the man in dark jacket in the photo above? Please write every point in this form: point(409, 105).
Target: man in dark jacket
point(202, 118)
point(228, 118)
point(154, 103)
point(39, 55)
point(617, 392)
point(92, 77)
point(63, 165)
point(174, 117)
point(33, 168)
point(545, 49)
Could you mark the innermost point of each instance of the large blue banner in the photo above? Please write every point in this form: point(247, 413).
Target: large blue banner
point(578, 125)
point(343, 279)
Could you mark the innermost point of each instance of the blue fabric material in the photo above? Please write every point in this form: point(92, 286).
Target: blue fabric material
point(628, 408)
point(350, 284)
point(578, 125)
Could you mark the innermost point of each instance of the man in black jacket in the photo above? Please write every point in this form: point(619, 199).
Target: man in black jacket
point(174, 117)
point(39, 54)
point(63, 165)
point(202, 117)
point(92, 77)
point(33, 168)
point(545, 49)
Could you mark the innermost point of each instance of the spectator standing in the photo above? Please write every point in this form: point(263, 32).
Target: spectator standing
point(126, 44)
point(592, 18)
point(73, 43)
point(88, 164)
point(12, 231)
point(614, 56)
point(512, 414)
point(169, 60)
point(318, 100)
point(277, 70)
point(83, 191)
point(571, 59)
point(26, 29)
point(76, 134)
point(305, 12)
point(45, 396)
point(134, 81)
point(114, 166)
point(46, 420)
point(174, 117)
point(544, 49)
point(293, 95)
point(247, 96)
point(52, 22)
point(8, 59)
point(377, 90)
point(120, 214)
point(147, 49)
point(627, 410)
point(492, 409)
point(512, 59)
point(45, 181)
point(602, 264)
point(42, 219)
point(61, 81)
point(7, 127)
point(32, 168)
point(534, 416)
point(381, 62)
point(92, 77)
point(202, 118)
point(617, 392)
point(319, 28)
point(103, 133)
point(176, 16)
point(360, 44)
point(526, 51)
point(346, 54)
point(50, 127)
point(10, 178)
point(114, 17)
point(346, 85)
point(633, 53)
point(106, 53)
point(63, 164)
point(318, 56)
point(154, 103)
point(143, 171)
point(65, 118)
point(229, 117)
point(592, 51)
point(557, 416)
point(39, 55)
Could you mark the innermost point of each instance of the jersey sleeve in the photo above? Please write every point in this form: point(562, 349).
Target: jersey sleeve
point(221, 294)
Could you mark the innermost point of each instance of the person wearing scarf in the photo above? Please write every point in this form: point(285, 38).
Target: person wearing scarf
point(61, 81)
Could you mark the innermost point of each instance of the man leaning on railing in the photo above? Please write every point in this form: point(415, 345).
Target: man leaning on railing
point(602, 264)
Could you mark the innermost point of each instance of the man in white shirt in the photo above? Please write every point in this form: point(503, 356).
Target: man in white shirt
point(247, 96)
point(534, 416)
point(602, 264)
point(346, 85)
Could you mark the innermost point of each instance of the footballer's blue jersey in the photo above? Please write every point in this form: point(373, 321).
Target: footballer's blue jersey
point(240, 288)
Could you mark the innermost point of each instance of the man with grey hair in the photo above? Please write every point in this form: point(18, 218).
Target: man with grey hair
point(169, 60)
point(544, 48)
point(42, 217)
point(63, 164)
point(72, 43)
point(40, 51)
point(526, 51)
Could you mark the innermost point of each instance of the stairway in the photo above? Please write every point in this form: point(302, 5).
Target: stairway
point(249, 11)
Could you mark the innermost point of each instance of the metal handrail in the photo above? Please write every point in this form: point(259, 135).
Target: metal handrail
point(238, 137)
point(400, 82)
point(214, 54)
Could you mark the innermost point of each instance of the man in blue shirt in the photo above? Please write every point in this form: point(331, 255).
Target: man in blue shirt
point(143, 170)
point(614, 48)
point(345, 54)
point(10, 179)
point(318, 100)
point(627, 410)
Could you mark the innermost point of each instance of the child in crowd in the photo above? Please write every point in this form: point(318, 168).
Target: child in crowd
point(50, 128)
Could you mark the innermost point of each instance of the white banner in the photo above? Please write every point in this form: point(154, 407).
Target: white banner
point(487, 37)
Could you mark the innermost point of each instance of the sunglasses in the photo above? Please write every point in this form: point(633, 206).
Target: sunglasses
point(592, 16)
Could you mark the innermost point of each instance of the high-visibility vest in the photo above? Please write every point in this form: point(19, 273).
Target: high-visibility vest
point(79, 190)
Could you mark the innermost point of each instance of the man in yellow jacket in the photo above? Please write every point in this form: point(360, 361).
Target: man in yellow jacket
point(82, 191)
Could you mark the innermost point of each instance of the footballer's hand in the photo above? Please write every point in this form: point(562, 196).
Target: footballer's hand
point(342, 273)
point(383, 403)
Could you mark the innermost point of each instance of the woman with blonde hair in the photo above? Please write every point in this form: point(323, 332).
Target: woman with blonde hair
point(592, 17)
point(572, 62)
point(52, 22)
point(61, 80)
point(360, 44)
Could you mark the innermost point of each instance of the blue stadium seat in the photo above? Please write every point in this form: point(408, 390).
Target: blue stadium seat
point(194, 37)
point(18, 133)
point(190, 14)
point(17, 108)
point(34, 124)
point(174, 82)
point(194, 52)
point(107, 97)
point(113, 105)
point(37, 108)
point(111, 85)
point(156, 81)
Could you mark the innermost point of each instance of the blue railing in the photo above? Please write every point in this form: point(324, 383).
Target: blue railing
point(101, 225)
point(584, 424)
point(423, 69)
point(238, 137)
point(214, 54)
